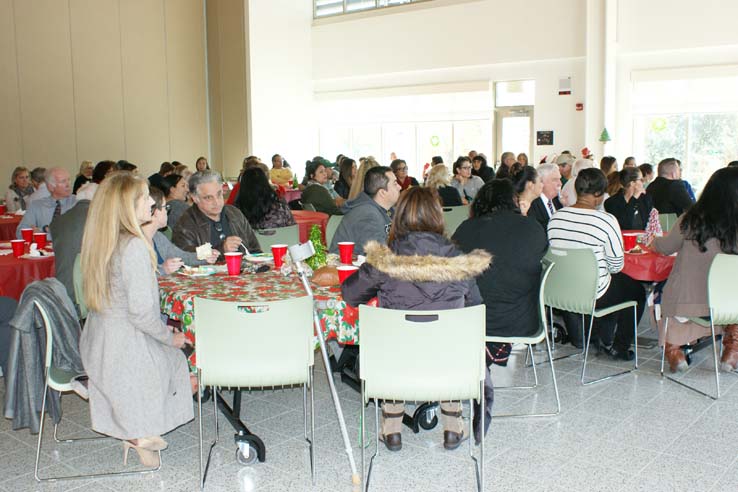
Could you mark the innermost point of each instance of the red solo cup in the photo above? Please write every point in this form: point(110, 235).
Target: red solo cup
point(233, 262)
point(3, 209)
point(346, 251)
point(278, 251)
point(27, 234)
point(40, 239)
point(18, 246)
point(345, 271)
point(629, 240)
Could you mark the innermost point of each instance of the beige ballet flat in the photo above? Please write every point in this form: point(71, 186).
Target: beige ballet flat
point(148, 458)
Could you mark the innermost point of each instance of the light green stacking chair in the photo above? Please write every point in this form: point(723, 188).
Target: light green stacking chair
point(530, 341)
point(330, 230)
point(254, 345)
point(281, 235)
point(572, 286)
point(667, 221)
point(722, 298)
point(454, 216)
point(422, 356)
point(79, 292)
point(56, 379)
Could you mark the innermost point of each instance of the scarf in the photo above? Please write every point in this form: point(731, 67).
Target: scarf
point(22, 194)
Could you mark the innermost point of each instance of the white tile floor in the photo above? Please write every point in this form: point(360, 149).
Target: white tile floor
point(636, 432)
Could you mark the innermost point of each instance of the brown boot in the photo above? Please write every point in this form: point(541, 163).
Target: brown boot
point(729, 360)
point(676, 358)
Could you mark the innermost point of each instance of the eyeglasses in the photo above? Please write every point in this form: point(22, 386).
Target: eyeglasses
point(219, 229)
point(166, 207)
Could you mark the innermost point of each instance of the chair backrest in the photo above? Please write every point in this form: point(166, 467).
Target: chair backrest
point(79, 292)
point(308, 206)
point(330, 229)
point(282, 235)
point(571, 284)
point(167, 232)
point(254, 344)
point(722, 293)
point(667, 221)
point(422, 355)
point(454, 216)
point(49, 334)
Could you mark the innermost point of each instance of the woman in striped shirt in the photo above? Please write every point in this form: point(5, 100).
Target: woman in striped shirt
point(583, 226)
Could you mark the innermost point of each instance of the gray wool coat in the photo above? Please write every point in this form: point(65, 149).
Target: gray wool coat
point(139, 383)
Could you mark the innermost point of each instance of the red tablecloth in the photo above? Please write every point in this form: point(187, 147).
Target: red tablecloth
point(8, 227)
point(305, 220)
point(292, 194)
point(648, 266)
point(16, 273)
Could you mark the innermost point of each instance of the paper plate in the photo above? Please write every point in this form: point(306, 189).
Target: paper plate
point(259, 258)
point(197, 272)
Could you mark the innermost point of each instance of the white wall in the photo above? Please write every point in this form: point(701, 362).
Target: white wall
point(281, 90)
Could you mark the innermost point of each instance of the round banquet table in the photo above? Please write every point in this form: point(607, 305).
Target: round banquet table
point(177, 292)
point(8, 225)
point(648, 266)
point(305, 220)
point(16, 273)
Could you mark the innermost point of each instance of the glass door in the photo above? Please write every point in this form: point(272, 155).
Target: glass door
point(514, 130)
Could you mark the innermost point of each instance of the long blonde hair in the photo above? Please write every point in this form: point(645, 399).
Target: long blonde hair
point(111, 220)
point(357, 185)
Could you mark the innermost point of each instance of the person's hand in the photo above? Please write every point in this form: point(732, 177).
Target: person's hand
point(179, 340)
point(464, 201)
point(171, 265)
point(524, 206)
point(340, 201)
point(213, 257)
point(231, 244)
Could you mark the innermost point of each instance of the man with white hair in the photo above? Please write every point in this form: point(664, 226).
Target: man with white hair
point(543, 207)
point(668, 191)
point(210, 220)
point(41, 212)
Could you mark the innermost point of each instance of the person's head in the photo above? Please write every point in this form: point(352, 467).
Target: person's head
point(733, 164)
point(277, 161)
point(201, 164)
point(417, 210)
point(551, 179)
point(631, 180)
point(436, 160)
point(38, 176)
point(166, 169)
point(250, 161)
point(507, 159)
point(580, 164)
point(357, 185)
point(647, 172)
point(126, 166)
point(462, 167)
point(347, 170)
point(591, 183)
point(669, 168)
point(117, 211)
point(338, 159)
point(21, 178)
point(380, 183)
point(317, 172)
point(472, 154)
point(608, 164)
point(495, 196)
point(206, 189)
point(565, 162)
point(174, 187)
point(180, 169)
point(522, 159)
point(256, 196)
point(479, 162)
point(102, 169)
point(715, 215)
point(57, 182)
point(629, 162)
point(527, 183)
point(438, 177)
point(85, 169)
point(399, 167)
point(159, 209)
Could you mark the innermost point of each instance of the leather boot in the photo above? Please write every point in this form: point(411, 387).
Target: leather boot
point(676, 358)
point(729, 360)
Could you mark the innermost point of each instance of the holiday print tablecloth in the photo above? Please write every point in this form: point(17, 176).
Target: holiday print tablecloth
point(177, 292)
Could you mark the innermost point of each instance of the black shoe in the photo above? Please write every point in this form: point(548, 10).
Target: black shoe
point(392, 441)
point(621, 354)
point(452, 440)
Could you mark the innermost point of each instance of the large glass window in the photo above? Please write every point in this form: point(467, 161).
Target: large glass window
point(325, 8)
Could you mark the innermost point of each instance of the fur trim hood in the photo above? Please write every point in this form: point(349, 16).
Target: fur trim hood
point(429, 267)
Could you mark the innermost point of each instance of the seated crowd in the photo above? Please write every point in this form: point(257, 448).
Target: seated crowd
point(128, 230)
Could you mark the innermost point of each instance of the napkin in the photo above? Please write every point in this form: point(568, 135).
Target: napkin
point(4, 252)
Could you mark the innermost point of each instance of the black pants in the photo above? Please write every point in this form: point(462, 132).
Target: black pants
point(620, 324)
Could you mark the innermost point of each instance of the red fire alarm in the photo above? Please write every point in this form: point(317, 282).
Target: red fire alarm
point(580, 107)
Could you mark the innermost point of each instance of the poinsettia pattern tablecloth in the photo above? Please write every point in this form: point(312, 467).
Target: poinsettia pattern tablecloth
point(177, 292)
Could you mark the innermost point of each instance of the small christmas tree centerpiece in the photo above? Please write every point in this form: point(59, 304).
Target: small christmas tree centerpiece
point(319, 259)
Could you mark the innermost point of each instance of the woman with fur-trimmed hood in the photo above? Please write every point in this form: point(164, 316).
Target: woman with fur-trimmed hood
point(420, 269)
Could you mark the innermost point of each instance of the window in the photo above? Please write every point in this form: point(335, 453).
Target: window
point(325, 8)
point(515, 93)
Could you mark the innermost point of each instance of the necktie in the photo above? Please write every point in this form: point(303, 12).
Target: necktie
point(57, 209)
point(550, 207)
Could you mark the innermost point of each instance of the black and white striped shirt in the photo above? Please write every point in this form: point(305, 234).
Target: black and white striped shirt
point(582, 228)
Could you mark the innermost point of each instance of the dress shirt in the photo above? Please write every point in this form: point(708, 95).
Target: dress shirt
point(41, 211)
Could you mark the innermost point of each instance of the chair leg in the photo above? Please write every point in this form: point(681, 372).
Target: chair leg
point(529, 355)
point(376, 442)
point(362, 430)
point(75, 439)
point(586, 352)
point(478, 463)
point(41, 426)
point(663, 349)
point(312, 427)
point(715, 357)
point(199, 425)
point(715, 361)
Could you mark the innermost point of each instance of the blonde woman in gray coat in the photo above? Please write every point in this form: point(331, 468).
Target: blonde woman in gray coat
point(139, 382)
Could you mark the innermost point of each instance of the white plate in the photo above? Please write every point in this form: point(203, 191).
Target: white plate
point(198, 272)
point(5, 245)
point(29, 257)
point(259, 258)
